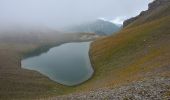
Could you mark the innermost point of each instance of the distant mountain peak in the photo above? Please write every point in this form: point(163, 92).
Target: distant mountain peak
point(118, 20)
point(98, 26)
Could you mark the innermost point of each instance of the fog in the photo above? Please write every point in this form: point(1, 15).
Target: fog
point(63, 13)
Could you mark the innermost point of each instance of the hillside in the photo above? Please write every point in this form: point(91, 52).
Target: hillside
point(140, 50)
point(100, 27)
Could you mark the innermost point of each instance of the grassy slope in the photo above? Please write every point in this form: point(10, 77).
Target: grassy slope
point(133, 54)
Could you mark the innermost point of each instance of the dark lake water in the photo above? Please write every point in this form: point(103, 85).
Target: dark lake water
point(67, 64)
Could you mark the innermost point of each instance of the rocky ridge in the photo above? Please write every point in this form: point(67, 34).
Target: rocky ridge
point(151, 7)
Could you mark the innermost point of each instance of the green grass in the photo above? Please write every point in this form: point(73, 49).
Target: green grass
point(133, 54)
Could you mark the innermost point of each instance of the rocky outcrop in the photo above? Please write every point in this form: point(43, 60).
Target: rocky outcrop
point(151, 7)
point(157, 3)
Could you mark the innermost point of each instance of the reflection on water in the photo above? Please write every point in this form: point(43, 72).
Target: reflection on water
point(67, 64)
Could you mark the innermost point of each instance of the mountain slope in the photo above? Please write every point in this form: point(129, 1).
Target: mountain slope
point(99, 27)
point(139, 50)
point(157, 9)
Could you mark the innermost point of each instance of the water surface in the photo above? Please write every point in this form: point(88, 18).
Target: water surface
point(67, 64)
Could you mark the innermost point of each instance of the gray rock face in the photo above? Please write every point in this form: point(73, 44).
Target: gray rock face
point(157, 3)
point(151, 7)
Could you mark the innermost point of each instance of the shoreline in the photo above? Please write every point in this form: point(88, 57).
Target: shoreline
point(46, 49)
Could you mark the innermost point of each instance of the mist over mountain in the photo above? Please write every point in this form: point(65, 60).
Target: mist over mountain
point(100, 27)
point(62, 13)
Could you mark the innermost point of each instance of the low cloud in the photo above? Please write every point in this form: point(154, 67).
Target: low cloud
point(62, 13)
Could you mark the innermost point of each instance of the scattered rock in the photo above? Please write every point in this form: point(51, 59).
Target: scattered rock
point(149, 89)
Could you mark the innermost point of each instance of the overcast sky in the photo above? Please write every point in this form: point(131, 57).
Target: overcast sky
point(59, 13)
